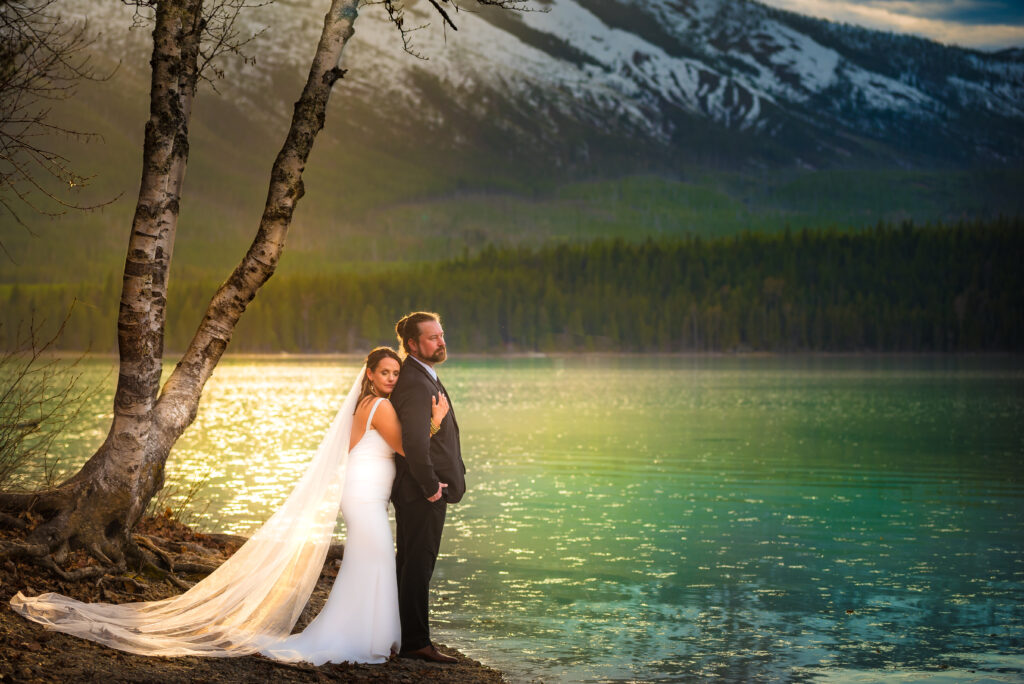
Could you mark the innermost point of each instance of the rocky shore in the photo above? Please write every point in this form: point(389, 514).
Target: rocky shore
point(31, 653)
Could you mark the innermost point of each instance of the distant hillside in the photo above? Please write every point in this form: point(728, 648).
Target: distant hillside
point(894, 288)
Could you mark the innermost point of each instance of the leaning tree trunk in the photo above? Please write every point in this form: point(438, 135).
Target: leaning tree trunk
point(97, 508)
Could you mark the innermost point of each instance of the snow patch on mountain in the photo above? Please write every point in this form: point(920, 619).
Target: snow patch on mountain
point(804, 61)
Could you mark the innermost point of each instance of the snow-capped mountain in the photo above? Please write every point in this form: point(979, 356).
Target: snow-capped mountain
point(652, 81)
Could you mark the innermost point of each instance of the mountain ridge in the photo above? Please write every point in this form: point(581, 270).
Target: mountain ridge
point(796, 89)
point(519, 132)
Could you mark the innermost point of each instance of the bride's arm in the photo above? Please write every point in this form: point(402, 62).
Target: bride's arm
point(385, 421)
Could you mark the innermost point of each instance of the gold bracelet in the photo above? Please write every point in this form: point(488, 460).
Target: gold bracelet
point(434, 428)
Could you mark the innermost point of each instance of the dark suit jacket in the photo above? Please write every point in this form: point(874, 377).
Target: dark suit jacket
point(428, 460)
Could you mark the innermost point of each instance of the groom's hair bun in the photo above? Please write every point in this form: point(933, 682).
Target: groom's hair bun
point(409, 327)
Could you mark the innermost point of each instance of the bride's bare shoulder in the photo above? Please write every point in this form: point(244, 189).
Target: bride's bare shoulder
point(385, 413)
point(363, 407)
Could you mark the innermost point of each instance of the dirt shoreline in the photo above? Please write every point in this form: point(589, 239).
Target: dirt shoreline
point(31, 653)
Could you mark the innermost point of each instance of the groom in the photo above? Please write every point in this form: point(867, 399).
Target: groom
point(430, 477)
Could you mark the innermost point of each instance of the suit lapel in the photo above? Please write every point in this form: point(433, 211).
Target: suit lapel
point(409, 361)
point(451, 408)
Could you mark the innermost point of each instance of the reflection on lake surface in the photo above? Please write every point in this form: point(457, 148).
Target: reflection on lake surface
point(754, 519)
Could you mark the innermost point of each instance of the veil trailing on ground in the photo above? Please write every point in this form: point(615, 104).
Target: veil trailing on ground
point(253, 599)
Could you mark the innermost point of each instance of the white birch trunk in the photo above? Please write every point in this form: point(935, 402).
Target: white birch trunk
point(97, 508)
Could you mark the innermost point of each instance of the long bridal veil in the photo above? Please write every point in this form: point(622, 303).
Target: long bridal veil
point(253, 599)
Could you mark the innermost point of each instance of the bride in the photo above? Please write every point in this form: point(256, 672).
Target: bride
point(251, 602)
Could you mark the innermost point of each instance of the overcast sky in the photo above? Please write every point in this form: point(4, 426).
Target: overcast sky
point(983, 24)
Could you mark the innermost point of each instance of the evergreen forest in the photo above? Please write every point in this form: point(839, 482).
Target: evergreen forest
point(905, 288)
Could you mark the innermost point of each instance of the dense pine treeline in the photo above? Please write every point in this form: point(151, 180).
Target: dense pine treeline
point(904, 288)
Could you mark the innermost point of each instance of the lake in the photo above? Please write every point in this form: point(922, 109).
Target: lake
point(802, 518)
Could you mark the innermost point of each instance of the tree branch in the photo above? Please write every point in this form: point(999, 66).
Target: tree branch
point(179, 399)
point(396, 15)
point(42, 58)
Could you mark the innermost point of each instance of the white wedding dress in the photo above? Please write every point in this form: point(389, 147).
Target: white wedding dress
point(359, 623)
point(252, 601)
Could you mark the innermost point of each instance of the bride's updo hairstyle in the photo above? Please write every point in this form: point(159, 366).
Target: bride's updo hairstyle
point(409, 327)
point(373, 360)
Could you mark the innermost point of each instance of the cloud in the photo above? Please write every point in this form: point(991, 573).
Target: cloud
point(928, 18)
point(960, 11)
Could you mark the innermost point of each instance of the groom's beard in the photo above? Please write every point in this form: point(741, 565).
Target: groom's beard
point(438, 356)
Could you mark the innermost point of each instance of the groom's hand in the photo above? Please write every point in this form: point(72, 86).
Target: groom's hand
point(440, 490)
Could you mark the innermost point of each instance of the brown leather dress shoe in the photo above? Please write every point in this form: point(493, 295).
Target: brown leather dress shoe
point(430, 653)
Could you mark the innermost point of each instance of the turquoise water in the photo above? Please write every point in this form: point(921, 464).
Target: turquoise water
point(748, 519)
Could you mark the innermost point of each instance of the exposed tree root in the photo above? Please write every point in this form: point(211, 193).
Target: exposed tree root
point(22, 550)
point(125, 580)
point(148, 543)
point(235, 539)
point(96, 552)
point(88, 572)
point(11, 522)
point(16, 501)
point(176, 581)
point(53, 551)
point(194, 568)
point(147, 554)
point(41, 501)
point(197, 549)
point(176, 546)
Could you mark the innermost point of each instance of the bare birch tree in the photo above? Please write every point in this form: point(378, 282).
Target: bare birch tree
point(97, 508)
